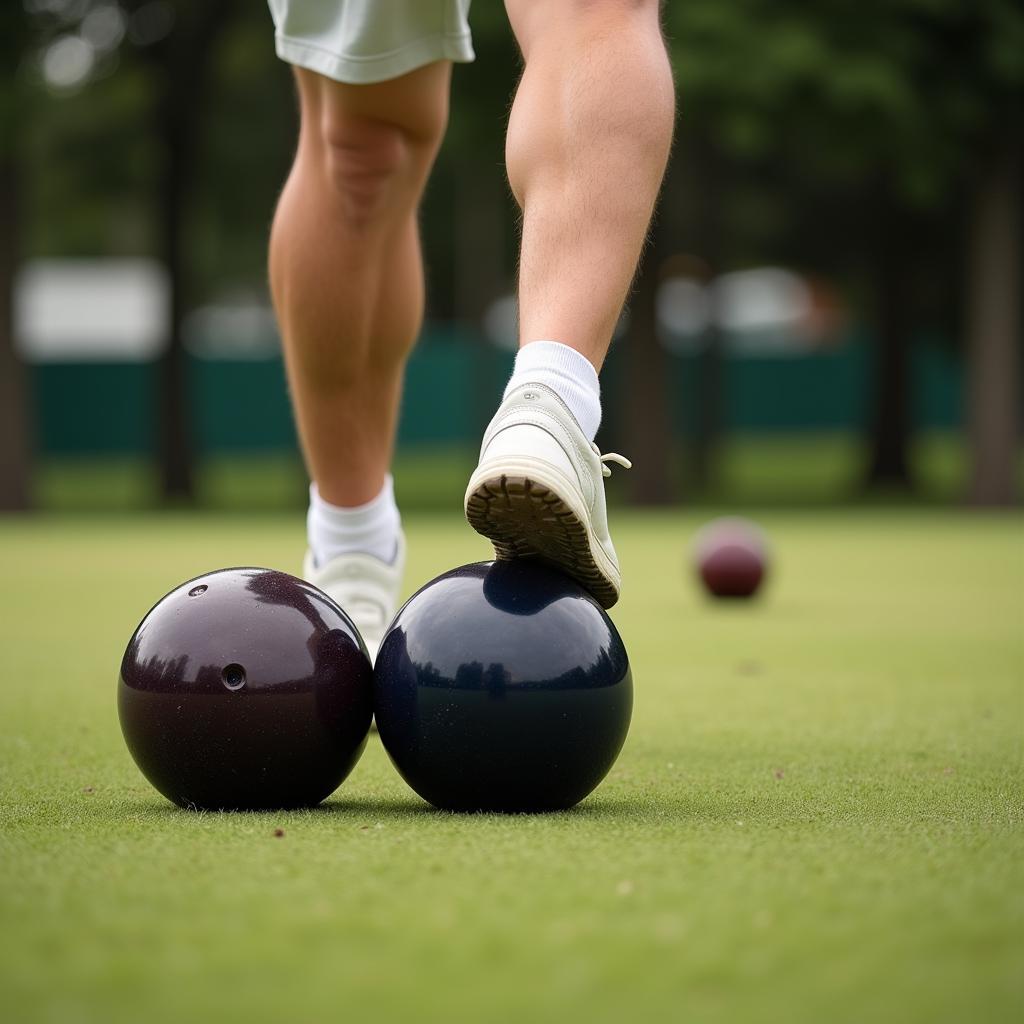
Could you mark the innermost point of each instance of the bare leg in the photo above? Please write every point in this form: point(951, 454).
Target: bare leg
point(345, 268)
point(588, 140)
point(587, 144)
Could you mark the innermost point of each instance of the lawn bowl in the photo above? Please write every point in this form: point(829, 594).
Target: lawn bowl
point(245, 689)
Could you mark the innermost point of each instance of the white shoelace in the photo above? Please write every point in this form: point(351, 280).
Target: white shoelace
point(619, 460)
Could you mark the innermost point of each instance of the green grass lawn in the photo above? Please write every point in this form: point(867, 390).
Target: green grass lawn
point(761, 471)
point(817, 815)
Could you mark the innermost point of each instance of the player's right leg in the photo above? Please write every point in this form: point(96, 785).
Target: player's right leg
point(587, 143)
point(347, 284)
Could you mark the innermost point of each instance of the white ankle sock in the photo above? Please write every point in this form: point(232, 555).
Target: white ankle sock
point(568, 373)
point(371, 529)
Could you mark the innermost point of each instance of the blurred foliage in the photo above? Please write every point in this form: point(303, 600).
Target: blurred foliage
point(811, 108)
point(813, 111)
point(841, 123)
point(15, 38)
point(845, 138)
point(846, 86)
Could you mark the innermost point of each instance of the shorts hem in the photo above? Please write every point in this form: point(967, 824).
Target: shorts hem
point(360, 70)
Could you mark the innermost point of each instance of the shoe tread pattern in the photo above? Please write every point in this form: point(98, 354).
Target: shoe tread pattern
point(526, 519)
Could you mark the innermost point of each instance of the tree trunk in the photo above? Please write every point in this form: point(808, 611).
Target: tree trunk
point(994, 330)
point(15, 444)
point(480, 275)
point(183, 66)
point(15, 439)
point(479, 239)
point(175, 437)
point(710, 362)
point(648, 424)
point(710, 393)
point(890, 428)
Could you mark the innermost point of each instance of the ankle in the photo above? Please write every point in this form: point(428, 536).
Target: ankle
point(566, 372)
point(372, 528)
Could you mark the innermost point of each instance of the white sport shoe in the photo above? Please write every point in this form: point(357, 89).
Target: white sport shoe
point(538, 491)
point(366, 588)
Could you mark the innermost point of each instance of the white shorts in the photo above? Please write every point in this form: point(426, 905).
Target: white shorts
point(364, 41)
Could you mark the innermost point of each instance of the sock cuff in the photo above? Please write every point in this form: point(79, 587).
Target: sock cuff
point(354, 515)
point(570, 374)
point(372, 528)
point(556, 356)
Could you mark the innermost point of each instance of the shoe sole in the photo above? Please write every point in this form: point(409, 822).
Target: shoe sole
point(524, 517)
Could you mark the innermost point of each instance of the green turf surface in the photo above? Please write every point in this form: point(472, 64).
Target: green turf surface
point(779, 470)
point(817, 815)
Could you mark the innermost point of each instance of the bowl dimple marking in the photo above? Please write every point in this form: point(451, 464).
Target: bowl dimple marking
point(198, 591)
point(233, 676)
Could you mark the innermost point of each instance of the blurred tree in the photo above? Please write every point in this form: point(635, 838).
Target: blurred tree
point(469, 211)
point(990, 45)
point(815, 92)
point(177, 44)
point(15, 446)
point(648, 425)
point(995, 273)
point(968, 81)
point(709, 226)
point(474, 155)
point(881, 108)
point(249, 128)
point(845, 135)
point(119, 151)
point(890, 427)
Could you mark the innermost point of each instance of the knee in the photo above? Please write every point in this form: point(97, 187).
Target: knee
point(371, 146)
point(373, 168)
point(368, 166)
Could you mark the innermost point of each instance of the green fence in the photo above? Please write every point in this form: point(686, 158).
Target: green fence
point(453, 383)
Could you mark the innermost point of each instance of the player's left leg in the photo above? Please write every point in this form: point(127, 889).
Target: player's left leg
point(347, 282)
point(345, 266)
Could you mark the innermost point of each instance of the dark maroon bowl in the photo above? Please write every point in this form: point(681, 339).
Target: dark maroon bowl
point(731, 557)
point(245, 689)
